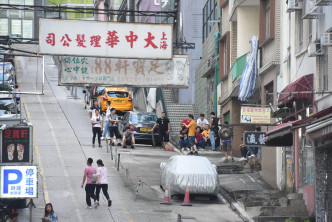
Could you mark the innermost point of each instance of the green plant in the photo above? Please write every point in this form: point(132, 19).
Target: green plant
point(306, 220)
point(5, 87)
point(289, 220)
point(3, 106)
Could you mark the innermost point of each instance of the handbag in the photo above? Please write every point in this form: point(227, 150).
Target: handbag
point(94, 177)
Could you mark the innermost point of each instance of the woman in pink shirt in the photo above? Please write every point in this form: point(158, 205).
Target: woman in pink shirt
point(102, 182)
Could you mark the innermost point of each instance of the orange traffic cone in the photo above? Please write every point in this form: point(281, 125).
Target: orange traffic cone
point(186, 201)
point(166, 197)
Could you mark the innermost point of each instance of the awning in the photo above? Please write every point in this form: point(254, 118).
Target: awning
point(294, 90)
point(281, 135)
point(321, 128)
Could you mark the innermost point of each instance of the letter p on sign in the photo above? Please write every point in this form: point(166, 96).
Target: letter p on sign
point(11, 176)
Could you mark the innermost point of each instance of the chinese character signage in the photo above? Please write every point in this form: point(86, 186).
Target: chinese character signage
point(255, 115)
point(105, 39)
point(18, 181)
point(254, 139)
point(125, 72)
point(15, 145)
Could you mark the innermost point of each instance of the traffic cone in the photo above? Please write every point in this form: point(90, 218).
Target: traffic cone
point(186, 201)
point(166, 197)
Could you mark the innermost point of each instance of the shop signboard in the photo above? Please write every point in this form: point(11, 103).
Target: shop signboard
point(124, 72)
point(18, 181)
point(254, 139)
point(105, 39)
point(16, 145)
point(255, 115)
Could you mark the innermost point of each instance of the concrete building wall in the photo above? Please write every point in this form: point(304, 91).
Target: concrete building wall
point(247, 20)
point(191, 13)
point(205, 68)
point(225, 24)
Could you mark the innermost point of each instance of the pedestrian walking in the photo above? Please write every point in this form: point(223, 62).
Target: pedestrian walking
point(97, 126)
point(214, 130)
point(128, 139)
point(113, 126)
point(201, 121)
point(164, 129)
point(49, 214)
point(107, 122)
point(191, 133)
point(102, 183)
point(93, 108)
point(90, 185)
point(227, 142)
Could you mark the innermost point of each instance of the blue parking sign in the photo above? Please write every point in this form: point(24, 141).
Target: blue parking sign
point(18, 181)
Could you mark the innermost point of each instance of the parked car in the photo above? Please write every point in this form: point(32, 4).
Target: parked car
point(120, 99)
point(7, 79)
point(91, 94)
point(8, 104)
point(142, 123)
point(196, 172)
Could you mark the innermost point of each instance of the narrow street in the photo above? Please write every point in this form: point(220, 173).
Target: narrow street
point(62, 141)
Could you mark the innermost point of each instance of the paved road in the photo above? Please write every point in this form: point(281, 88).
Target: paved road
point(62, 139)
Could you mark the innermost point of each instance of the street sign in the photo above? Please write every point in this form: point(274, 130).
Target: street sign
point(105, 39)
point(255, 115)
point(254, 139)
point(18, 181)
point(16, 145)
point(124, 72)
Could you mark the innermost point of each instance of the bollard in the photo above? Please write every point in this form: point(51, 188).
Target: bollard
point(111, 150)
point(127, 178)
point(118, 162)
point(153, 142)
point(116, 157)
point(75, 92)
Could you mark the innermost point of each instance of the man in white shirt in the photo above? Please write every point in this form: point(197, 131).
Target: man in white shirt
point(108, 112)
point(201, 122)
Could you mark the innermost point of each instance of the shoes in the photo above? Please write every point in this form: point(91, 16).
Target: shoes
point(119, 144)
point(109, 203)
point(93, 145)
point(253, 155)
point(232, 159)
point(100, 146)
point(113, 144)
point(196, 153)
point(96, 204)
point(102, 138)
point(161, 147)
point(88, 207)
point(226, 160)
point(124, 147)
point(242, 159)
point(182, 149)
point(187, 149)
point(133, 147)
point(191, 153)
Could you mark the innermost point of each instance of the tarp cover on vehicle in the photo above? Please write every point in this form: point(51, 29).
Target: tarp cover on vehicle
point(194, 171)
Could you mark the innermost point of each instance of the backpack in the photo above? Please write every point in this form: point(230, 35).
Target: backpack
point(94, 177)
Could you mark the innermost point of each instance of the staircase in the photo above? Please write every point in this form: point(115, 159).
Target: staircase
point(176, 113)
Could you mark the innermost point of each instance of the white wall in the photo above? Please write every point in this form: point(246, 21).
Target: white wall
point(247, 26)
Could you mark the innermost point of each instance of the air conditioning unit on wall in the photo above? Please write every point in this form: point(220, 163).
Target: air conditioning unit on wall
point(315, 49)
point(294, 5)
point(326, 39)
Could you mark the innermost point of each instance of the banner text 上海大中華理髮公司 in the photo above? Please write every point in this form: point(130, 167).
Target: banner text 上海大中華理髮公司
point(105, 39)
point(124, 72)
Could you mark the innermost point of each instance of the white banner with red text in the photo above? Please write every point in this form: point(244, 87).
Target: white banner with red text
point(105, 39)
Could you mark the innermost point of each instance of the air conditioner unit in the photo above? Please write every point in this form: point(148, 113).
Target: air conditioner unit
point(323, 2)
point(310, 10)
point(294, 5)
point(326, 39)
point(314, 49)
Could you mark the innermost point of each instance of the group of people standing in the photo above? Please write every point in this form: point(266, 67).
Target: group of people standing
point(111, 127)
point(96, 180)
